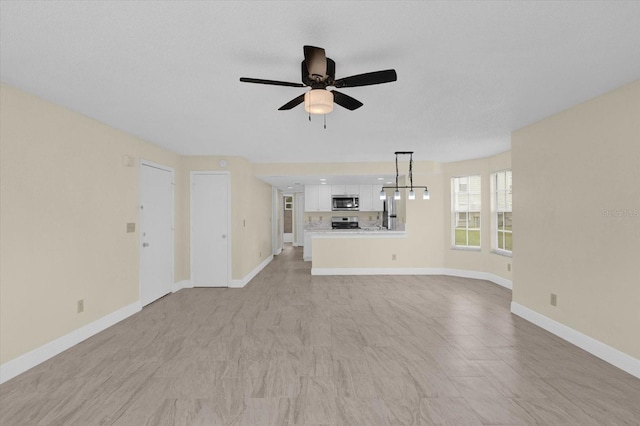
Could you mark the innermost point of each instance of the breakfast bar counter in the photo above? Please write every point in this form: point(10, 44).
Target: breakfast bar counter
point(372, 232)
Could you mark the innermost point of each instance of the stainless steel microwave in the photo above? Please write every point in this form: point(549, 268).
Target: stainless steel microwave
point(344, 203)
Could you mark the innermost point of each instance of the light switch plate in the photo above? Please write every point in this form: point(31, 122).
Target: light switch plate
point(131, 227)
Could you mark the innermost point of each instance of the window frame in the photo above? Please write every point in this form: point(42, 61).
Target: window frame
point(468, 211)
point(495, 212)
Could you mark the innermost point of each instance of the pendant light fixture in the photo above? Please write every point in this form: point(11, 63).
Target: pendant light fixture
point(412, 193)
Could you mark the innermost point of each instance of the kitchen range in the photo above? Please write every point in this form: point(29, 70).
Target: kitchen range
point(347, 222)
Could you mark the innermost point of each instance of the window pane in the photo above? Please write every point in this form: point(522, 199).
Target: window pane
point(462, 202)
point(474, 220)
point(500, 181)
point(508, 245)
point(461, 237)
point(474, 184)
point(474, 238)
point(500, 221)
point(461, 220)
point(507, 221)
point(501, 240)
point(501, 199)
point(509, 201)
point(474, 202)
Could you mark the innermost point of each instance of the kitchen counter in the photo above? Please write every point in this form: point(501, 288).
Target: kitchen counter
point(365, 232)
point(310, 234)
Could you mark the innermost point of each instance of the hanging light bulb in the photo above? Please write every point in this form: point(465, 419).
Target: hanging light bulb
point(411, 194)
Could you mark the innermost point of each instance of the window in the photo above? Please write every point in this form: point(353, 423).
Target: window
point(288, 203)
point(465, 211)
point(502, 199)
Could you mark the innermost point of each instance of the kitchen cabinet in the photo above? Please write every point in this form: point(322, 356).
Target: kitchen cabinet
point(317, 198)
point(306, 250)
point(370, 198)
point(324, 198)
point(311, 198)
point(345, 189)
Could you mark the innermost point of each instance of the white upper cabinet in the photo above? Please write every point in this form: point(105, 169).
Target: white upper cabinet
point(324, 198)
point(370, 198)
point(317, 198)
point(345, 189)
point(311, 198)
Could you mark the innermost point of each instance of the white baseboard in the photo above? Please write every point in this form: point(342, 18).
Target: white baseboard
point(479, 276)
point(278, 251)
point(180, 285)
point(377, 271)
point(244, 281)
point(29, 360)
point(415, 271)
point(595, 347)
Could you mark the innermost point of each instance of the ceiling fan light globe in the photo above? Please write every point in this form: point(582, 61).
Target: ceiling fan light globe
point(318, 101)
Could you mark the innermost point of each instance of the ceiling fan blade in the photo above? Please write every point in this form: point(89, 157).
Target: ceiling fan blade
point(346, 101)
point(367, 79)
point(292, 103)
point(316, 61)
point(271, 82)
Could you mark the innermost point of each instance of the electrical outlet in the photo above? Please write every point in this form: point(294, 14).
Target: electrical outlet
point(554, 300)
point(393, 256)
point(509, 267)
point(260, 255)
point(80, 305)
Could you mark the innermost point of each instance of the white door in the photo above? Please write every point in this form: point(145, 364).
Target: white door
point(156, 232)
point(210, 229)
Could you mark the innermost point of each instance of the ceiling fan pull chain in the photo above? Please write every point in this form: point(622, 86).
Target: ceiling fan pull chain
point(309, 116)
point(325, 121)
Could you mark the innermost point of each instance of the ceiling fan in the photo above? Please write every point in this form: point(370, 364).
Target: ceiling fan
point(318, 73)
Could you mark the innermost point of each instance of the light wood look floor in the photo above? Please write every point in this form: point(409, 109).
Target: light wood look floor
point(295, 349)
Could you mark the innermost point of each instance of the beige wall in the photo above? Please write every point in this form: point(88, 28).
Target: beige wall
point(485, 259)
point(570, 170)
point(66, 198)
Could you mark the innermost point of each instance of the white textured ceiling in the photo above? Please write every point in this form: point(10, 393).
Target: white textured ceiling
point(468, 72)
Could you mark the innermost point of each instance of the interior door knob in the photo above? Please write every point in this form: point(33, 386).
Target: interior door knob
point(145, 244)
point(224, 236)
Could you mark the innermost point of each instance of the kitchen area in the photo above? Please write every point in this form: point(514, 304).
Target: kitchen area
point(350, 211)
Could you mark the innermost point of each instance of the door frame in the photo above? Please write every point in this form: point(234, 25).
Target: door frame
point(299, 219)
point(293, 217)
point(171, 170)
point(229, 236)
point(275, 227)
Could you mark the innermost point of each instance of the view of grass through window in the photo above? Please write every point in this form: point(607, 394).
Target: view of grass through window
point(502, 182)
point(466, 211)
